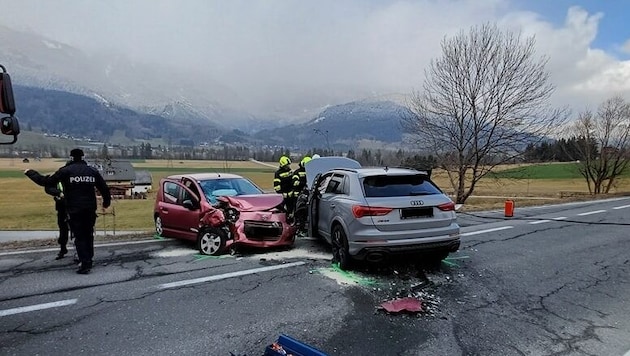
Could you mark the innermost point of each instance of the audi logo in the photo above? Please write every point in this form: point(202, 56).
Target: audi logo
point(416, 202)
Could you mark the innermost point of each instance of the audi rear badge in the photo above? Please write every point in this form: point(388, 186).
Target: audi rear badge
point(416, 202)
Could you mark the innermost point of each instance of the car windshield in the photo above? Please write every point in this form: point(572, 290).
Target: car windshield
point(398, 186)
point(214, 188)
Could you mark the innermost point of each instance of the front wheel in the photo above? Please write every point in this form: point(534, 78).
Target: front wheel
point(340, 251)
point(211, 241)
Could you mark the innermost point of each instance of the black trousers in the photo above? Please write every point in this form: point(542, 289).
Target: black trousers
point(82, 226)
point(62, 222)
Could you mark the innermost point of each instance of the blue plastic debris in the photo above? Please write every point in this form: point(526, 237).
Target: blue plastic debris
point(287, 345)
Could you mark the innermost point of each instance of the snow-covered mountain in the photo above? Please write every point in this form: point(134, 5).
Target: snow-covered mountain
point(36, 61)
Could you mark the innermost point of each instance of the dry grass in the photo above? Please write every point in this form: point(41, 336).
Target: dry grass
point(25, 206)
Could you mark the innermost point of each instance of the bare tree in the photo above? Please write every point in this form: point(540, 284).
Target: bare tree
point(483, 101)
point(603, 144)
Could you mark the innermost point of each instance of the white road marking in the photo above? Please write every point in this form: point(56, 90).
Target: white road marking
point(228, 275)
point(592, 212)
point(72, 248)
point(621, 207)
point(31, 308)
point(539, 222)
point(484, 231)
point(560, 218)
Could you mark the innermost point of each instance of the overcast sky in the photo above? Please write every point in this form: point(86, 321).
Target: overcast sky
point(380, 46)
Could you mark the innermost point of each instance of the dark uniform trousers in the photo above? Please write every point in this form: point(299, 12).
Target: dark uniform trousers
point(62, 222)
point(82, 226)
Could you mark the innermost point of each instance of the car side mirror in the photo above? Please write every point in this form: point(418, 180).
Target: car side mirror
point(8, 125)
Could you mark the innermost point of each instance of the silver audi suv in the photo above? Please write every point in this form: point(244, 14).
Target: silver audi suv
point(372, 213)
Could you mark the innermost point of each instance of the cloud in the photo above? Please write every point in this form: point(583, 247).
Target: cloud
point(279, 54)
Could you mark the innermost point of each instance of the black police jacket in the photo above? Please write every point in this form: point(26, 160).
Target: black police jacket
point(79, 181)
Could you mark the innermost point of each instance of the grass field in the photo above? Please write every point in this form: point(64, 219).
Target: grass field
point(544, 171)
point(25, 206)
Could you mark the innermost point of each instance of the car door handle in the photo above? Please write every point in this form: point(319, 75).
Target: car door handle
point(332, 206)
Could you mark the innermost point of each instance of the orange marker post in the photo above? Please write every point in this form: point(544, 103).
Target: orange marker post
point(509, 208)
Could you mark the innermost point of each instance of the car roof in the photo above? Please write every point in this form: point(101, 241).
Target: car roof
point(203, 176)
point(379, 171)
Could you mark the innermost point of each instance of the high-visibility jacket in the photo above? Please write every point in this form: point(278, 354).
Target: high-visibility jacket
point(299, 180)
point(282, 181)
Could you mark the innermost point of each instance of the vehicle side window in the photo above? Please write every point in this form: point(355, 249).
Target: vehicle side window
point(190, 185)
point(335, 185)
point(186, 195)
point(171, 192)
point(323, 183)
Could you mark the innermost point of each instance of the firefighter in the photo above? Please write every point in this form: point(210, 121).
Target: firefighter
point(299, 184)
point(299, 177)
point(283, 183)
point(79, 181)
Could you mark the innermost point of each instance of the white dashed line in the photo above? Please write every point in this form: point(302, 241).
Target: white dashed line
point(560, 218)
point(539, 222)
point(95, 246)
point(621, 207)
point(484, 231)
point(228, 275)
point(592, 212)
point(31, 308)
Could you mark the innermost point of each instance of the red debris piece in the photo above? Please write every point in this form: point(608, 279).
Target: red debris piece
point(404, 304)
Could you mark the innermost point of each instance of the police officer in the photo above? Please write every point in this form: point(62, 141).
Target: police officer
point(79, 181)
point(283, 182)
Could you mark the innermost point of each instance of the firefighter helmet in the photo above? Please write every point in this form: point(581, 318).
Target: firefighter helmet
point(284, 161)
point(305, 160)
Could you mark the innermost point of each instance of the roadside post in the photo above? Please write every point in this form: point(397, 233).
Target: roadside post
point(509, 208)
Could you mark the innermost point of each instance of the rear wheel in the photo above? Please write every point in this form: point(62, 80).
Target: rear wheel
point(211, 241)
point(340, 251)
point(159, 229)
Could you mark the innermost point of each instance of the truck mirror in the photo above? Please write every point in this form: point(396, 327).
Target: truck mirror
point(8, 125)
point(7, 104)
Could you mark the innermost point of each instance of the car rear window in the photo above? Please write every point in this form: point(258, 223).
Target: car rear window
point(398, 186)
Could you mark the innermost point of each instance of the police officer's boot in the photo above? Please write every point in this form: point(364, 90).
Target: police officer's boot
point(61, 253)
point(85, 268)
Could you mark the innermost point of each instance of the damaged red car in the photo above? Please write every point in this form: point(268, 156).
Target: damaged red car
point(220, 211)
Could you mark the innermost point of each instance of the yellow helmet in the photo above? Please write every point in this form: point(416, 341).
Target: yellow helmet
point(305, 160)
point(284, 161)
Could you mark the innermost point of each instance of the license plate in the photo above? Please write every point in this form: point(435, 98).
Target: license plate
point(416, 213)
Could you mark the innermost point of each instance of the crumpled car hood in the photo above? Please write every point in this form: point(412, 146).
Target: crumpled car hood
point(254, 202)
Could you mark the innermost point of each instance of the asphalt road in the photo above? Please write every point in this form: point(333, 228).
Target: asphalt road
point(550, 281)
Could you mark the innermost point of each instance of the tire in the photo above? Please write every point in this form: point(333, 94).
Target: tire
point(159, 229)
point(211, 242)
point(340, 251)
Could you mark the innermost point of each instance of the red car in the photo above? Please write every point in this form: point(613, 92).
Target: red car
point(220, 211)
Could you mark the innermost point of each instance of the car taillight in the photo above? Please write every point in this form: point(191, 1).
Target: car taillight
point(360, 211)
point(447, 206)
